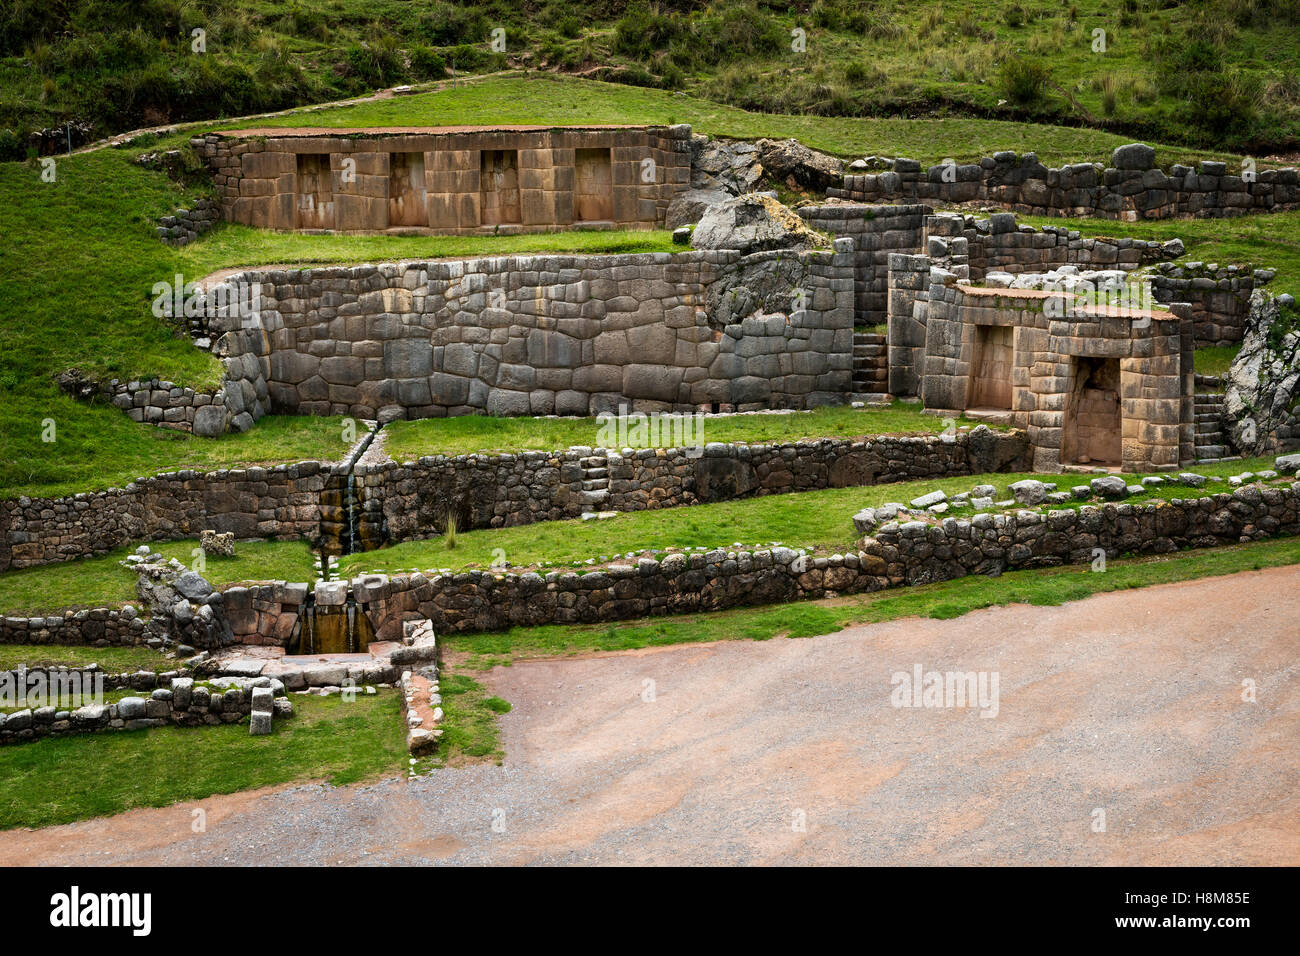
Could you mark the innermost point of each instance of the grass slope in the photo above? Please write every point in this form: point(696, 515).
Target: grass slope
point(817, 520)
point(408, 440)
point(102, 581)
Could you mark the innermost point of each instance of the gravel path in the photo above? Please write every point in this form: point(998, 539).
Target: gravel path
point(1128, 702)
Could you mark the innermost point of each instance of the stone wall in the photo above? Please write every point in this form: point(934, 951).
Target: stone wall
point(1219, 297)
point(876, 231)
point(185, 225)
point(899, 554)
point(448, 180)
point(280, 502)
point(183, 704)
point(917, 552)
point(413, 499)
point(1131, 188)
point(100, 627)
point(537, 335)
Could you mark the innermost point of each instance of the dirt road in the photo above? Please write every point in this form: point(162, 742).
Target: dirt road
point(790, 751)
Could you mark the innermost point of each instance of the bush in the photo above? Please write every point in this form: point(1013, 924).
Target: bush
point(1023, 80)
point(426, 63)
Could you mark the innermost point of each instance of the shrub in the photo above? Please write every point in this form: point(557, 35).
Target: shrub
point(1023, 80)
point(426, 63)
point(1014, 16)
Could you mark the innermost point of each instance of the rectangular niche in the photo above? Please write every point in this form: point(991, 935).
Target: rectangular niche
point(593, 186)
point(499, 187)
point(1092, 433)
point(406, 190)
point(315, 187)
point(990, 385)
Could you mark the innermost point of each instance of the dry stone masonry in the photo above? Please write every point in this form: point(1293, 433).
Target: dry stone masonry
point(1131, 188)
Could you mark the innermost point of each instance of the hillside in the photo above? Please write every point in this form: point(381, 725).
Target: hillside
point(1219, 74)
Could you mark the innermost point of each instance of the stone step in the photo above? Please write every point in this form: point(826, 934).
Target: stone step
point(1215, 452)
point(596, 472)
point(868, 338)
point(595, 497)
point(595, 484)
point(868, 351)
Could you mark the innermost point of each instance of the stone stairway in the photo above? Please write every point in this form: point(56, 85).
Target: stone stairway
point(870, 365)
point(595, 483)
point(1211, 442)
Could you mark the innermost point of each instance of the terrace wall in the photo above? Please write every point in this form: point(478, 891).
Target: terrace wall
point(1132, 188)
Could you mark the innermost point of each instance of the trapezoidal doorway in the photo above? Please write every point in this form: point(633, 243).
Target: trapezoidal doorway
point(990, 384)
point(593, 186)
point(1092, 433)
point(315, 185)
point(499, 187)
point(406, 190)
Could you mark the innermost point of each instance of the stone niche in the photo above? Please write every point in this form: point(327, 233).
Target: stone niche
point(459, 180)
point(1092, 386)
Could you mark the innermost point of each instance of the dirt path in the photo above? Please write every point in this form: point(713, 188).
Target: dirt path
point(1127, 702)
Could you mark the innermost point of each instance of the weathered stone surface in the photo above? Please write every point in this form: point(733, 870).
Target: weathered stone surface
point(754, 223)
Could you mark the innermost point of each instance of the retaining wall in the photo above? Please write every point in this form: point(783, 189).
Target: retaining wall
point(1131, 188)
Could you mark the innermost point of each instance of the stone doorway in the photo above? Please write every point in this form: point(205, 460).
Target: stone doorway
point(994, 353)
point(499, 187)
point(315, 184)
point(1093, 421)
point(593, 186)
point(406, 190)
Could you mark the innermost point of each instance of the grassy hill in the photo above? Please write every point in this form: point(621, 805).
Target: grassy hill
point(78, 260)
point(1202, 73)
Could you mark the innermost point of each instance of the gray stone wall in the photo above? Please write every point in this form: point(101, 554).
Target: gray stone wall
point(917, 552)
point(185, 225)
point(569, 335)
point(183, 704)
point(1131, 188)
point(1219, 297)
point(100, 627)
point(482, 491)
point(876, 232)
point(280, 502)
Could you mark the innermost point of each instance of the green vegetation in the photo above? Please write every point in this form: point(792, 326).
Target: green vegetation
point(407, 440)
point(111, 660)
point(1044, 588)
point(560, 100)
point(103, 582)
point(1215, 359)
point(71, 778)
point(816, 520)
point(1196, 72)
point(469, 729)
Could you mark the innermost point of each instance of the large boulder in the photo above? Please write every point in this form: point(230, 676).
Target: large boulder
point(689, 207)
point(1264, 379)
point(794, 163)
point(718, 165)
point(1133, 156)
point(754, 223)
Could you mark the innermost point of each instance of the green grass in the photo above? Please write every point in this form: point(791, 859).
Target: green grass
point(235, 245)
point(408, 440)
point(63, 779)
point(818, 520)
point(563, 100)
point(1215, 359)
point(949, 599)
point(469, 728)
point(102, 582)
point(111, 660)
